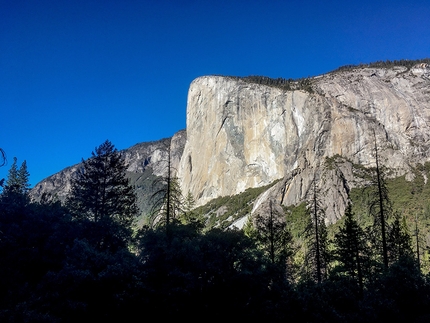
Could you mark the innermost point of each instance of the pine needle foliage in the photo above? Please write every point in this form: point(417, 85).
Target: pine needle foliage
point(350, 249)
point(317, 257)
point(102, 199)
point(273, 238)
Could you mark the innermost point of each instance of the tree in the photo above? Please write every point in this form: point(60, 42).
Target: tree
point(380, 208)
point(350, 246)
point(188, 215)
point(15, 193)
point(168, 199)
point(12, 178)
point(189, 204)
point(101, 194)
point(417, 242)
point(399, 243)
point(273, 237)
point(24, 177)
point(17, 180)
point(189, 270)
point(318, 255)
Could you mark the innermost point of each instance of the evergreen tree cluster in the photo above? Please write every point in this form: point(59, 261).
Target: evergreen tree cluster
point(87, 260)
point(384, 64)
point(304, 84)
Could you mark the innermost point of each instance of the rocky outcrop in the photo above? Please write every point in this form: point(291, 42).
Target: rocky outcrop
point(242, 135)
point(144, 159)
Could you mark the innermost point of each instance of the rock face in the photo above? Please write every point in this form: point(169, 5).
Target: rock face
point(242, 135)
point(144, 159)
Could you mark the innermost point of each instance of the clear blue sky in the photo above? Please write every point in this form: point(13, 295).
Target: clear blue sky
point(75, 73)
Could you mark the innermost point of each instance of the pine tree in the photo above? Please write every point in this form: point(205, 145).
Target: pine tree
point(189, 203)
point(23, 178)
point(101, 194)
point(168, 199)
point(318, 255)
point(380, 207)
point(12, 181)
point(399, 243)
point(18, 179)
point(418, 241)
point(273, 237)
point(188, 215)
point(17, 185)
point(350, 247)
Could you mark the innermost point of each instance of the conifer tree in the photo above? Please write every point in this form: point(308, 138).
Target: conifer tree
point(188, 215)
point(23, 178)
point(417, 237)
point(399, 243)
point(168, 199)
point(350, 247)
point(318, 255)
point(380, 208)
point(101, 194)
point(12, 178)
point(17, 182)
point(273, 237)
point(14, 197)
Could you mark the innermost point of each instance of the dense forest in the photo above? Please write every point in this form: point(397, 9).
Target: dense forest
point(87, 259)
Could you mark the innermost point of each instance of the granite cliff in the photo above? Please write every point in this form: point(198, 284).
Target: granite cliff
point(241, 134)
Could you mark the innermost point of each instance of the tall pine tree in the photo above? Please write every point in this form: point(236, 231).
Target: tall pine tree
point(18, 179)
point(101, 195)
point(17, 185)
point(273, 237)
point(380, 208)
point(23, 178)
point(350, 249)
point(167, 200)
point(399, 242)
point(318, 255)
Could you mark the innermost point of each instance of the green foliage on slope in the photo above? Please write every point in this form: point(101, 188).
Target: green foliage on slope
point(143, 184)
point(223, 211)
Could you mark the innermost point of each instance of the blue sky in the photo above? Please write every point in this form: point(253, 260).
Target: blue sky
point(75, 73)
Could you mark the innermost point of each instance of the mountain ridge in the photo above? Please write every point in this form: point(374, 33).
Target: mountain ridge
point(241, 134)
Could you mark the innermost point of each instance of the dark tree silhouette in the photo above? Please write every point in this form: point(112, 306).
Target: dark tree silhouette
point(102, 195)
point(380, 207)
point(18, 178)
point(273, 237)
point(17, 186)
point(318, 256)
point(168, 199)
point(399, 243)
point(350, 247)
